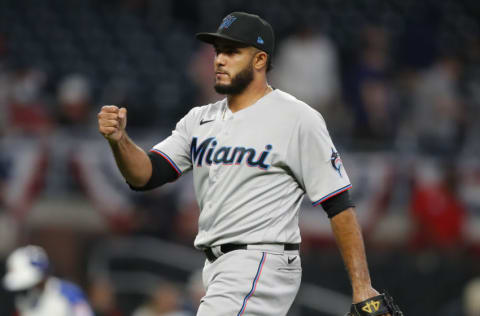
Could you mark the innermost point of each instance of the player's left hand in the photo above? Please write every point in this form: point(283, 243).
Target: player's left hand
point(365, 294)
point(375, 304)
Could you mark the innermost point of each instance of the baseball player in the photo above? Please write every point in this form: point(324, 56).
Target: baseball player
point(254, 155)
point(37, 293)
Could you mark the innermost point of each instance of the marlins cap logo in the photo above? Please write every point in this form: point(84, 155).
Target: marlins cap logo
point(227, 22)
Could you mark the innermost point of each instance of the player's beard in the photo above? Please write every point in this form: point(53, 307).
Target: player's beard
point(238, 84)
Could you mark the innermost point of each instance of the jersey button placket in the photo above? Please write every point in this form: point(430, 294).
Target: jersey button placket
point(215, 169)
point(212, 174)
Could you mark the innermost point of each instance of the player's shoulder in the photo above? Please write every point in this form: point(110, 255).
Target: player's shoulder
point(293, 107)
point(70, 291)
point(205, 111)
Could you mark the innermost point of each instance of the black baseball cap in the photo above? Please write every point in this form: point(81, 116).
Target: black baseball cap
point(245, 28)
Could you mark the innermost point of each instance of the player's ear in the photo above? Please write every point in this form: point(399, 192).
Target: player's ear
point(260, 60)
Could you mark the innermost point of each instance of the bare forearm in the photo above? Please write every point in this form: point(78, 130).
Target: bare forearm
point(350, 243)
point(132, 161)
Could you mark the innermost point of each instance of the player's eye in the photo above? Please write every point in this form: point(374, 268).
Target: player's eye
point(226, 51)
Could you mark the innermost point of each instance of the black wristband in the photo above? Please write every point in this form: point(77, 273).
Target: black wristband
point(337, 204)
point(162, 172)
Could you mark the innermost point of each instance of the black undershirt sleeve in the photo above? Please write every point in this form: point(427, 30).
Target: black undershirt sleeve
point(337, 204)
point(162, 172)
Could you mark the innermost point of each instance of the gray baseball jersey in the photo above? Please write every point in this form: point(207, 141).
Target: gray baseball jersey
point(252, 168)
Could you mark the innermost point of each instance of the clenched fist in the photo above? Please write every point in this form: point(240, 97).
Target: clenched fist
point(112, 122)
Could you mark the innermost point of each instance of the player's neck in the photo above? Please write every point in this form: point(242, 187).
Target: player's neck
point(254, 92)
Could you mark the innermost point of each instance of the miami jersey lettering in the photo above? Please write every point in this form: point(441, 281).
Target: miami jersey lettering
point(227, 155)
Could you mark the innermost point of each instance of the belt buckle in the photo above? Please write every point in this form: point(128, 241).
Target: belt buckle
point(217, 251)
point(213, 253)
point(210, 255)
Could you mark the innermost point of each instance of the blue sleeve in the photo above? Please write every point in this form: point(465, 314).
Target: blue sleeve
point(72, 292)
point(76, 299)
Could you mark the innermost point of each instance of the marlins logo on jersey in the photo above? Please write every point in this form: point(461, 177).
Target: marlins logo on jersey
point(336, 162)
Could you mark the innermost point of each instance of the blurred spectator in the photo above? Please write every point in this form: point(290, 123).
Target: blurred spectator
point(74, 102)
point(438, 110)
point(308, 68)
point(24, 160)
point(65, 144)
point(102, 298)
point(72, 167)
point(37, 293)
point(371, 93)
point(165, 301)
point(28, 113)
point(438, 213)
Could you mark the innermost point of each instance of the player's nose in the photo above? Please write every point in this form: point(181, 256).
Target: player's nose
point(220, 59)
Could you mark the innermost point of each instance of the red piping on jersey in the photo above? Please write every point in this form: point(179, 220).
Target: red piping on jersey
point(345, 188)
point(170, 161)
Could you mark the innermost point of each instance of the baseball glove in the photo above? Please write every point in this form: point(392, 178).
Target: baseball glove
point(376, 306)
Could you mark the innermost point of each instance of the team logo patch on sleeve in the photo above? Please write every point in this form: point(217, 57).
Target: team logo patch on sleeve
point(336, 162)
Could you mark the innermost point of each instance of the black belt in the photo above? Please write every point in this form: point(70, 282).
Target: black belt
point(231, 247)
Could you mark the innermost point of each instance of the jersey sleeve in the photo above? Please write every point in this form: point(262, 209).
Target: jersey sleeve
point(314, 160)
point(175, 149)
point(76, 299)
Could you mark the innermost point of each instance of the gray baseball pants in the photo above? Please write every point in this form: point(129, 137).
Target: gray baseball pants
point(261, 280)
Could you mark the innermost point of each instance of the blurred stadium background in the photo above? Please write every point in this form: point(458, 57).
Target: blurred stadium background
point(397, 81)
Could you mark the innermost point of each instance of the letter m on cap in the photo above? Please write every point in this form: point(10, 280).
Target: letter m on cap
point(227, 22)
